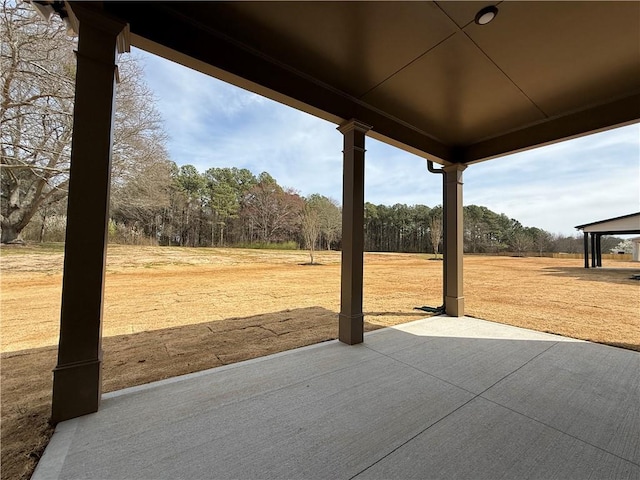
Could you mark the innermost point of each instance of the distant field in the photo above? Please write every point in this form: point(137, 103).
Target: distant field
point(153, 288)
point(170, 311)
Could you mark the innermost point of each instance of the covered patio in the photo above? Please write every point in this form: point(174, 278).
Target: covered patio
point(453, 82)
point(436, 398)
point(446, 397)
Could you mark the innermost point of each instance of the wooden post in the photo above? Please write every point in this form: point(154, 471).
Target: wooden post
point(77, 376)
point(453, 240)
point(351, 318)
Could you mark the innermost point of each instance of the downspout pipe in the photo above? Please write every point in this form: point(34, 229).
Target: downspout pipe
point(435, 170)
point(440, 171)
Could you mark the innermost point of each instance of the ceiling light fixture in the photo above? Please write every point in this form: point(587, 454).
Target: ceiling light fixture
point(485, 15)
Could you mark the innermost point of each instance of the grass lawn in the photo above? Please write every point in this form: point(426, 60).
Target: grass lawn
point(170, 311)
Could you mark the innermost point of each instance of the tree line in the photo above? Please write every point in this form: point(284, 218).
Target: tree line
point(231, 206)
point(418, 228)
point(154, 201)
point(221, 207)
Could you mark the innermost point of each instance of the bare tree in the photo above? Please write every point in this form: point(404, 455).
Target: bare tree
point(541, 239)
point(310, 226)
point(520, 242)
point(330, 220)
point(37, 80)
point(435, 230)
point(140, 201)
point(141, 170)
point(139, 139)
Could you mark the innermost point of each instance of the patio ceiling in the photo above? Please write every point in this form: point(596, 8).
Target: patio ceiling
point(424, 75)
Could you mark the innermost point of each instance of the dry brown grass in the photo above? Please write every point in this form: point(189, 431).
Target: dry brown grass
point(171, 311)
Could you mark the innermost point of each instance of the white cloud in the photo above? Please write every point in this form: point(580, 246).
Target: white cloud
point(563, 185)
point(213, 124)
point(394, 176)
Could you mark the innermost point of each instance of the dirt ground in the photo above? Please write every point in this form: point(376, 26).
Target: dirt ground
point(171, 311)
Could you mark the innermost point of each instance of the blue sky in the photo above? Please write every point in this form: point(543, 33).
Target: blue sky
point(214, 124)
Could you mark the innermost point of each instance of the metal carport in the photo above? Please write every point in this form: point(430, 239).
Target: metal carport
point(624, 225)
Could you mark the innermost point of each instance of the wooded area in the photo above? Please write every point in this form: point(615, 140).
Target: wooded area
point(156, 202)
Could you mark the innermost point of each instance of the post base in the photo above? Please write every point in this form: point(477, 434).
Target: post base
point(76, 390)
point(454, 306)
point(351, 328)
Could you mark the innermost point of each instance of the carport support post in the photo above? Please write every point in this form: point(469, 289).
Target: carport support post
point(594, 262)
point(77, 376)
point(351, 318)
point(599, 250)
point(586, 249)
point(453, 240)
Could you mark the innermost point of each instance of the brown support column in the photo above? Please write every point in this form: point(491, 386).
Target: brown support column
point(77, 376)
point(453, 240)
point(594, 256)
point(599, 250)
point(586, 249)
point(351, 318)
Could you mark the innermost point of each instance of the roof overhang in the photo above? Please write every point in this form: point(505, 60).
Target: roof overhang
point(627, 224)
point(424, 75)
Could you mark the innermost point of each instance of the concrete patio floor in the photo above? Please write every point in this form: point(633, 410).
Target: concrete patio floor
point(442, 397)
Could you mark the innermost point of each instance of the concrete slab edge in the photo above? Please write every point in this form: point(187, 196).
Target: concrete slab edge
point(52, 461)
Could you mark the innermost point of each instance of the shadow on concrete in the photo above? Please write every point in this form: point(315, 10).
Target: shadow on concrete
point(518, 403)
point(144, 357)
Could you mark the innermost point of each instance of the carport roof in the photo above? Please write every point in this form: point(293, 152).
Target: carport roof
point(424, 75)
point(627, 224)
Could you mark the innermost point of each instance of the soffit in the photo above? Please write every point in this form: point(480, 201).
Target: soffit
point(352, 46)
point(566, 56)
point(456, 93)
point(423, 74)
